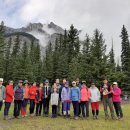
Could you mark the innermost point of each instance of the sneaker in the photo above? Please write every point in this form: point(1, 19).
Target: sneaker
point(5, 118)
point(107, 117)
point(68, 116)
point(121, 119)
point(97, 118)
point(94, 117)
point(18, 117)
point(76, 118)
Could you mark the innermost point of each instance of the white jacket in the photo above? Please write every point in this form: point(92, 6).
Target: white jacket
point(54, 98)
point(94, 94)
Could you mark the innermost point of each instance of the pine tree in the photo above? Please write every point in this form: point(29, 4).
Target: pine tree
point(125, 57)
point(15, 59)
point(24, 65)
point(112, 58)
point(48, 62)
point(73, 42)
point(125, 53)
point(2, 49)
point(99, 66)
point(7, 59)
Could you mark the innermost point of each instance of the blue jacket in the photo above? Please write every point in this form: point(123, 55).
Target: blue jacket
point(75, 94)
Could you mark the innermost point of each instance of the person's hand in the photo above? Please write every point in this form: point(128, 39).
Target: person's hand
point(3, 101)
point(79, 101)
point(46, 96)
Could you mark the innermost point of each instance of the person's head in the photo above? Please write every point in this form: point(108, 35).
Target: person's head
point(11, 82)
point(93, 84)
point(73, 83)
point(114, 84)
point(46, 82)
point(20, 83)
point(1, 81)
point(41, 85)
point(57, 81)
point(66, 84)
point(55, 90)
point(84, 82)
point(84, 86)
point(34, 84)
point(105, 81)
point(54, 85)
point(64, 80)
point(26, 83)
point(77, 81)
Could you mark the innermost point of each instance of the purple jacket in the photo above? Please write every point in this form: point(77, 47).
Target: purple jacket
point(65, 94)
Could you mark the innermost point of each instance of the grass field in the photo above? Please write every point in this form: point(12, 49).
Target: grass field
point(47, 123)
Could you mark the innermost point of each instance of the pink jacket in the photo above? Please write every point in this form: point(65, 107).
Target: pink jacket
point(84, 93)
point(116, 95)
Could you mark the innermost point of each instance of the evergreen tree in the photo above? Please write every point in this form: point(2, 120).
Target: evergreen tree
point(73, 42)
point(15, 59)
point(7, 60)
point(2, 49)
point(125, 53)
point(112, 58)
point(125, 57)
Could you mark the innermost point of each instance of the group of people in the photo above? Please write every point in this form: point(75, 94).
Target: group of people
point(60, 96)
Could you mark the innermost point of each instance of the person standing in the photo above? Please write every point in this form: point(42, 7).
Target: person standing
point(75, 97)
point(95, 100)
point(60, 90)
point(84, 100)
point(9, 96)
point(18, 98)
point(54, 102)
point(65, 97)
point(106, 91)
point(78, 83)
point(59, 102)
point(2, 93)
point(26, 99)
point(39, 100)
point(46, 93)
point(116, 98)
point(32, 95)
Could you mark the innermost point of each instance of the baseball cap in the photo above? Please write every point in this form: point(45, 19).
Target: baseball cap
point(114, 83)
point(46, 81)
point(73, 82)
point(1, 79)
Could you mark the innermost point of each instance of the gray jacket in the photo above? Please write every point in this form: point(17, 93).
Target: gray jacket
point(54, 98)
point(2, 93)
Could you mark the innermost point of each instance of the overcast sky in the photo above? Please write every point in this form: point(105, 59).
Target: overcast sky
point(106, 15)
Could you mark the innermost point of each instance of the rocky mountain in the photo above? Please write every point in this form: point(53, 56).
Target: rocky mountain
point(38, 32)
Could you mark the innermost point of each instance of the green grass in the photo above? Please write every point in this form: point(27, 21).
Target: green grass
point(47, 123)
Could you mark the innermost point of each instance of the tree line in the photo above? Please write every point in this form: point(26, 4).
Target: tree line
point(67, 58)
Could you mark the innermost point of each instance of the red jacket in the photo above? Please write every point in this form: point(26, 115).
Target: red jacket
point(32, 92)
point(9, 93)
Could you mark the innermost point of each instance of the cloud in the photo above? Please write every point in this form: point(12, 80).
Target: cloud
point(107, 15)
